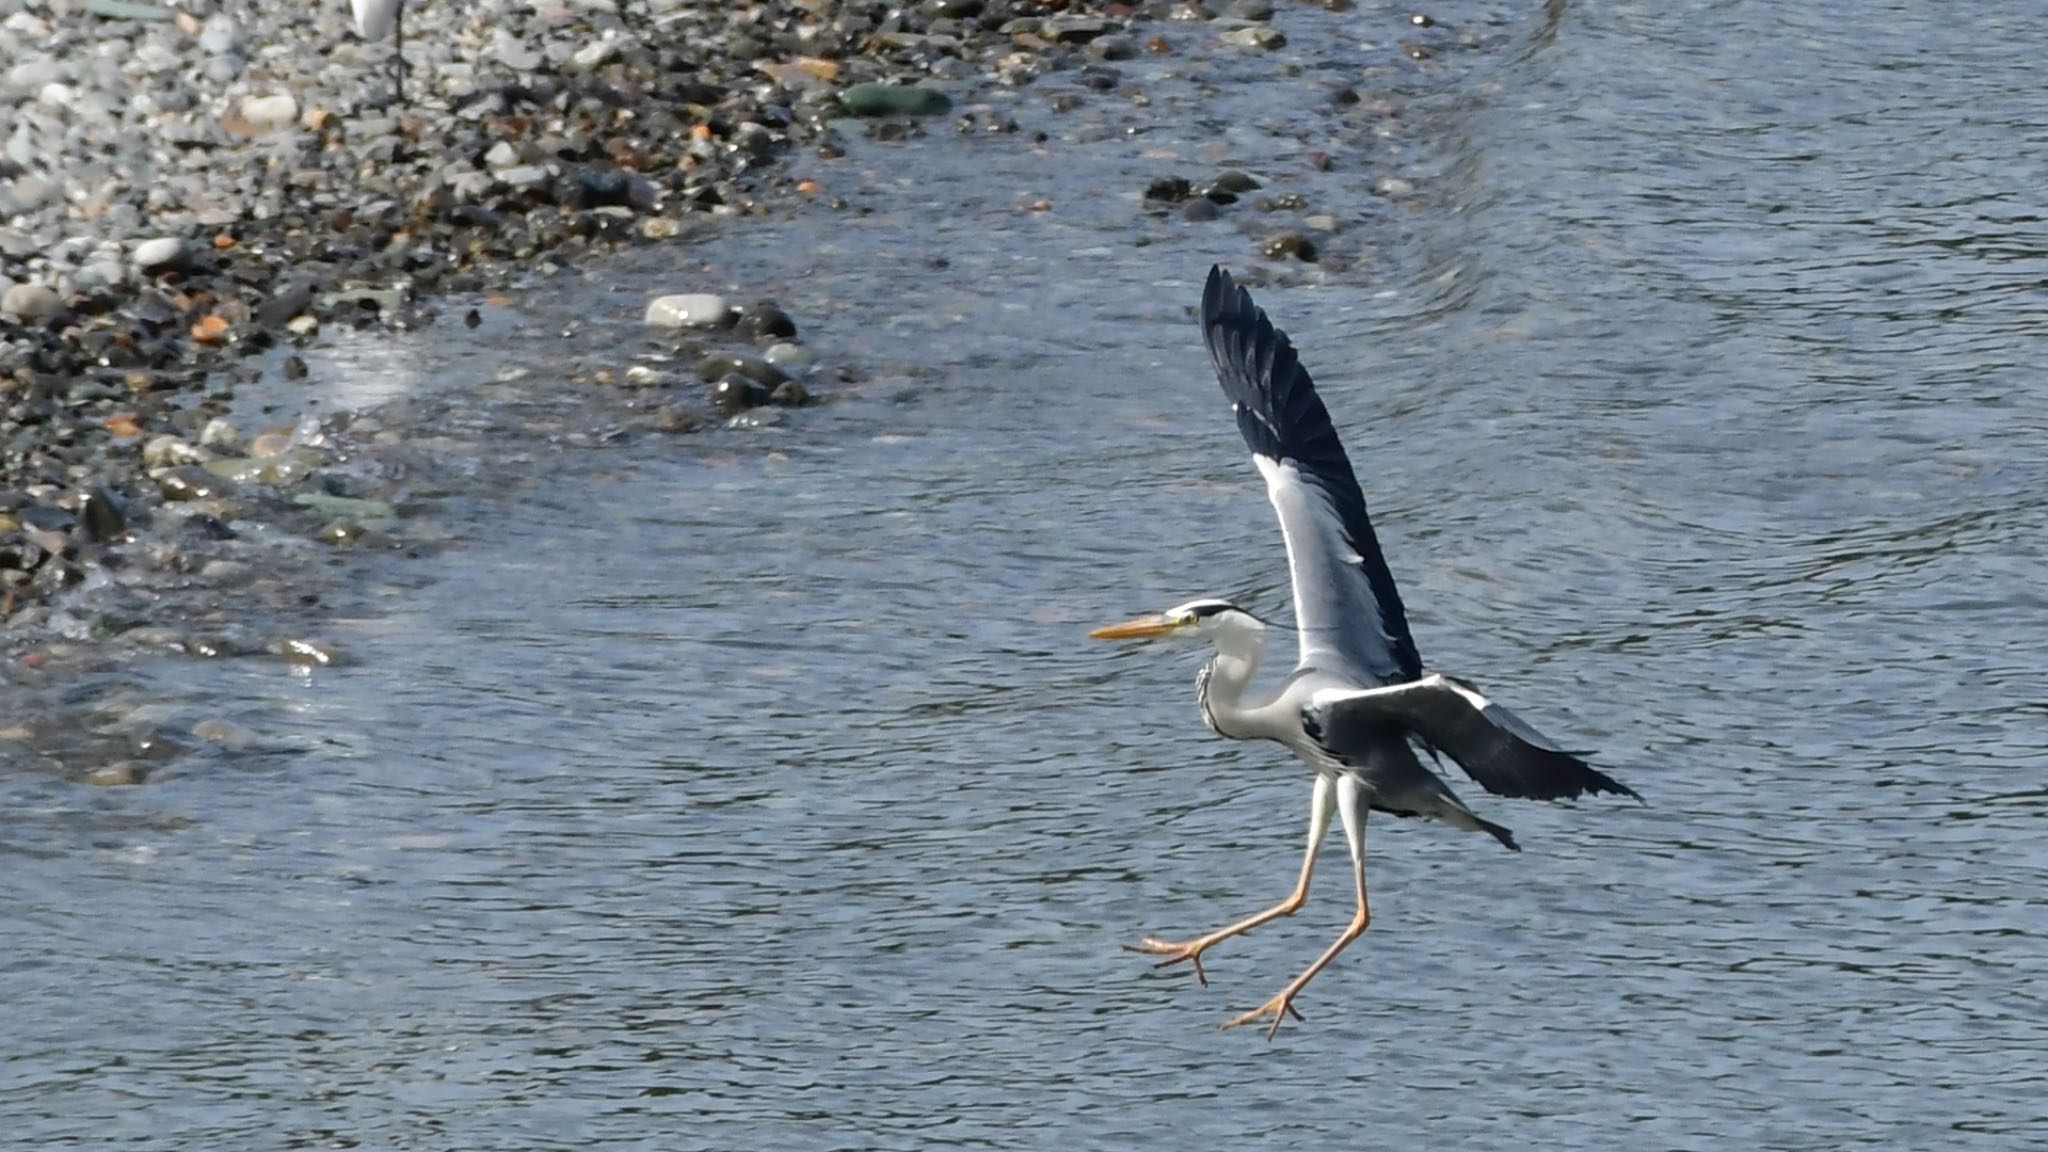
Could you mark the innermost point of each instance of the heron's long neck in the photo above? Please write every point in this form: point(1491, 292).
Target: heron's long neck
point(1223, 681)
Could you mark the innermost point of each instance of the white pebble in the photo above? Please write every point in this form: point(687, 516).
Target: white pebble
point(790, 358)
point(282, 108)
point(692, 310)
point(162, 252)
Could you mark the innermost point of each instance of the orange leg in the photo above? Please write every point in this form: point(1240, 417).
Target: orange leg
point(1320, 806)
point(1350, 802)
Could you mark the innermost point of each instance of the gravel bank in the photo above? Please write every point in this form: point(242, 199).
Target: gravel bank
point(192, 193)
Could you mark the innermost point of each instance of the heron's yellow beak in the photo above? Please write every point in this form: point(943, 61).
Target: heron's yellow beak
point(1156, 624)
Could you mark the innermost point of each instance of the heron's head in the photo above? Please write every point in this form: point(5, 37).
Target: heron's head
point(1211, 617)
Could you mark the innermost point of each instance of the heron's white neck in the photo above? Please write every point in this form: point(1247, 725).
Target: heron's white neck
point(1240, 640)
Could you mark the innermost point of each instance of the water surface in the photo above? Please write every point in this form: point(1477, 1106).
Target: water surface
point(758, 789)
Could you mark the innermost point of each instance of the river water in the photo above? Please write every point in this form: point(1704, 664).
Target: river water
point(758, 789)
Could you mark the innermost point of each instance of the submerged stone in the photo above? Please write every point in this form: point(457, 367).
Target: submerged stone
point(874, 99)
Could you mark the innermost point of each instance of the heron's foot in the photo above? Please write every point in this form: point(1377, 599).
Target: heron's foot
point(1279, 1008)
point(1176, 952)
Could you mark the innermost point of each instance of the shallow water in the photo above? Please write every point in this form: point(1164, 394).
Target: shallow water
point(757, 789)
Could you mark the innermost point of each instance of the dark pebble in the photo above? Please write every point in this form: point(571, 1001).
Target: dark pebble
point(766, 321)
point(1290, 244)
point(101, 515)
point(202, 526)
point(736, 393)
point(286, 303)
point(722, 364)
point(1200, 210)
point(790, 394)
point(1233, 180)
point(1168, 189)
point(678, 419)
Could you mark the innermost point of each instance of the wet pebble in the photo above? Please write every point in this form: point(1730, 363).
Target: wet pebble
point(187, 483)
point(767, 321)
point(1235, 181)
point(1113, 48)
point(1289, 244)
point(873, 99)
point(1168, 189)
point(737, 393)
point(1200, 210)
point(220, 436)
point(718, 365)
point(674, 418)
point(223, 733)
point(1258, 36)
point(689, 310)
point(1074, 29)
point(166, 450)
point(117, 775)
point(351, 507)
point(307, 653)
point(269, 444)
point(339, 532)
point(788, 357)
point(100, 515)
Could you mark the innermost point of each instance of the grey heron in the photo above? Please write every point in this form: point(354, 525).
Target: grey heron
point(1358, 701)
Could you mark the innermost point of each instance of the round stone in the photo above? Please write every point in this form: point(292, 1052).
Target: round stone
point(160, 255)
point(32, 303)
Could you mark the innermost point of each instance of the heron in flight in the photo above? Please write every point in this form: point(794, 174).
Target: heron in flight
point(1358, 701)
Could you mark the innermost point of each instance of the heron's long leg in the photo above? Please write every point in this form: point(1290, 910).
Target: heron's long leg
point(1321, 804)
point(1351, 804)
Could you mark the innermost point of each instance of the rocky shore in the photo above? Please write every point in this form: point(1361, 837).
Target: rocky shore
point(194, 192)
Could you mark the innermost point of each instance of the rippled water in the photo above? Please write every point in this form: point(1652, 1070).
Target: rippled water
point(707, 794)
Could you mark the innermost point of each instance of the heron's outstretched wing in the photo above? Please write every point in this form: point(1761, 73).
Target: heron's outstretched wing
point(1345, 602)
point(1493, 745)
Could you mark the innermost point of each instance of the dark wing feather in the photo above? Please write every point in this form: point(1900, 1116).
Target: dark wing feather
point(1345, 600)
point(1494, 746)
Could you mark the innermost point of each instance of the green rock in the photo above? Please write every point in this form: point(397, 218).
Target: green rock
point(894, 100)
point(345, 507)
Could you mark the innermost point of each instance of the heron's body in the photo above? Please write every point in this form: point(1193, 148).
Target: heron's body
point(1392, 778)
point(1358, 701)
